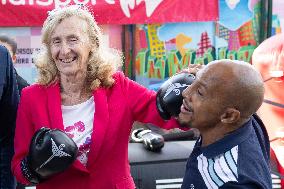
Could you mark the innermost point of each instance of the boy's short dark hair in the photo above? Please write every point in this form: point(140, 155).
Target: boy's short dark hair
point(10, 41)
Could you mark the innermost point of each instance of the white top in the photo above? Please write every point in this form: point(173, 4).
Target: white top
point(78, 124)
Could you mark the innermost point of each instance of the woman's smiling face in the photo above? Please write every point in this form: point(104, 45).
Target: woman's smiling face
point(70, 46)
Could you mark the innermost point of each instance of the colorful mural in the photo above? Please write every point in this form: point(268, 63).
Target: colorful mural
point(164, 49)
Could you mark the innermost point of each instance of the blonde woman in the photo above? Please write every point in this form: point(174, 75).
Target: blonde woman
point(80, 92)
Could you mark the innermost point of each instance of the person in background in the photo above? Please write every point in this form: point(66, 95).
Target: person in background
point(9, 98)
point(233, 150)
point(80, 91)
point(268, 58)
point(11, 45)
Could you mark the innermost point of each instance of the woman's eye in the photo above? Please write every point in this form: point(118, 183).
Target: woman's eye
point(73, 39)
point(56, 42)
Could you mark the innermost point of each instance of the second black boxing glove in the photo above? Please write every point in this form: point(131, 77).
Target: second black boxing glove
point(169, 96)
point(51, 151)
point(152, 141)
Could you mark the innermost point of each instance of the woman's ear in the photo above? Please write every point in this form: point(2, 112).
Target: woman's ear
point(231, 115)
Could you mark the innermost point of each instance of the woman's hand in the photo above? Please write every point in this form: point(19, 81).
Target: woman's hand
point(192, 68)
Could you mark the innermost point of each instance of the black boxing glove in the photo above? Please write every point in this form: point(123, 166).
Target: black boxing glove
point(169, 96)
point(152, 141)
point(51, 151)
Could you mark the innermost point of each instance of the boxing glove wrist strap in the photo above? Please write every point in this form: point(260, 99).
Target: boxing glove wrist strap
point(137, 135)
point(28, 173)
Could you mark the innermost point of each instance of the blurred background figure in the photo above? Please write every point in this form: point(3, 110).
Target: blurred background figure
point(268, 58)
point(11, 45)
point(9, 98)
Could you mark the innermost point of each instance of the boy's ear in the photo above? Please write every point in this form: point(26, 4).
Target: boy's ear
point(231, 115)
point(14, 58)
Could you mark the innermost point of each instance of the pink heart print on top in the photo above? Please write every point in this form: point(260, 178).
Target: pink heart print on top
point(77, 128)
point(82, 138)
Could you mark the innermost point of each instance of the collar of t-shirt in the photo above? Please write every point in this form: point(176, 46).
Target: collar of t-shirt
point(228, 142)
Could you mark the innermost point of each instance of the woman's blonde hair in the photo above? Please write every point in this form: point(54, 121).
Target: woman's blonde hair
point(102, 62)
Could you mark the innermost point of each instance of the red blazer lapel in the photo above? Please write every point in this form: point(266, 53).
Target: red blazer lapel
point(101, 119)
point(54, 106)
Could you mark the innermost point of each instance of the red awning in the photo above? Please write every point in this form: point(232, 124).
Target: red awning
point(34, 12)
